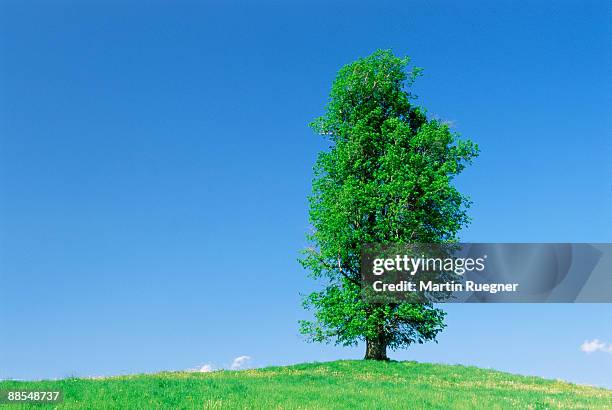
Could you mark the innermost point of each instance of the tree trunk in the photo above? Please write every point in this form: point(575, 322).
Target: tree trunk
point(376, 348)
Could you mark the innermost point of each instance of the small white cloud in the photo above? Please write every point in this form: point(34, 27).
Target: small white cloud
point(239, 362)
point(205, 368)
point(595, 345)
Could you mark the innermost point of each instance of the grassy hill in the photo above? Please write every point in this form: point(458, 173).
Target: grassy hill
point(338, 385)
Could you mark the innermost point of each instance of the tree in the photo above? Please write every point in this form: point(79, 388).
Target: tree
point(386, 178)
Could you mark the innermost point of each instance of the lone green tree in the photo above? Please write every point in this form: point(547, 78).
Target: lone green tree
point(386, 178)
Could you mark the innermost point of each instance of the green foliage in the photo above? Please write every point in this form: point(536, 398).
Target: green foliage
point(386, 178)
point(332, 385)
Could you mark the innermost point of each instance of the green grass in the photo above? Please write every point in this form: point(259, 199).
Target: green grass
point(337, 385)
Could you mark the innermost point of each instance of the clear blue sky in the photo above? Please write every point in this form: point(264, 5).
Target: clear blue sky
point(155, 162)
